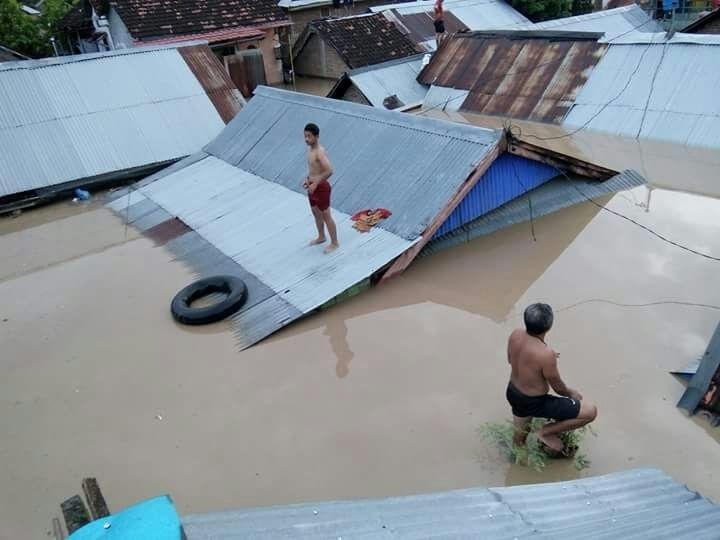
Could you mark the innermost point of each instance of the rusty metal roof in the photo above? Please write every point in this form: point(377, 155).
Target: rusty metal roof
point(525, 75)
point(214, 79)
point(419, 26)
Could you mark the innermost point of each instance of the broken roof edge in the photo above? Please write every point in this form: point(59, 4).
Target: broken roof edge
point(698, 385)
point(60, 60)
point(474, 134)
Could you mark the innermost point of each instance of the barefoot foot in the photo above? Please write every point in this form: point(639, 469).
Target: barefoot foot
point(553, 442)
point(317, 241)
point(331, 248)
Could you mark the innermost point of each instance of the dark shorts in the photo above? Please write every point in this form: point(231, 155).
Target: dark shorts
point(439, 27)
point(320, 198)
point(547, 406)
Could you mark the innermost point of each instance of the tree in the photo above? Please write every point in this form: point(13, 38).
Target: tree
point(544, 10)
point(20, 31)
point(31, 35)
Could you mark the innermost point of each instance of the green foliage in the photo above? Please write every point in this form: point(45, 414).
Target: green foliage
point(545, 10)
point(30, 35)
point(532, 453)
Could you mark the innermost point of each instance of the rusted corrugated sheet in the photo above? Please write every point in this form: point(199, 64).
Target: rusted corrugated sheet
point(533, 77)
point(214, 79)
point(419, 26)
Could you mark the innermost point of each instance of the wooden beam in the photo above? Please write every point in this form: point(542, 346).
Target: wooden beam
point(57, 529)
point(404, 260)
point(556, 159)
point(96, 501)
point(75, 513)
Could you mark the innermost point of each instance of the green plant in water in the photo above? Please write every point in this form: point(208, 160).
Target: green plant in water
point(532, 453)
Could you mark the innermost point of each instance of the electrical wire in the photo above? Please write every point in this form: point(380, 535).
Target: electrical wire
point(533, 68)
point(648, 304)
point(644, 227)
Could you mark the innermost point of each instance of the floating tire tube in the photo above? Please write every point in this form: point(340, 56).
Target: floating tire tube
point(234, 287)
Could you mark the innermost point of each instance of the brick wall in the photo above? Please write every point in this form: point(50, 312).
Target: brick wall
point(319, 60)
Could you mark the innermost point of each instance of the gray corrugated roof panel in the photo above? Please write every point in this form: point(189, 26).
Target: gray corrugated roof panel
point(64, 120)
point(640, 504)
point(623, 21)
point(264, 229)
point(475, 14)
point(661, 90)
point(553, 196)
point(707, 370)
point(398, 77)
point(407, 164)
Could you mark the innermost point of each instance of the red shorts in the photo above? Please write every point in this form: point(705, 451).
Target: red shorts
point(321, 196)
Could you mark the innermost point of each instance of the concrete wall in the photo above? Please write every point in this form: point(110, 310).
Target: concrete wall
point(121, 36)
point(317, 59)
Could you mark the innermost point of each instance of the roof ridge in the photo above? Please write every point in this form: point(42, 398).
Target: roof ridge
point(474, 134)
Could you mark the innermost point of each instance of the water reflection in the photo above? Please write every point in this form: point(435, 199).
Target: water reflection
point(336, 329)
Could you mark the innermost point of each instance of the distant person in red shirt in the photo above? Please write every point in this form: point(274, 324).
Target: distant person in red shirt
point(439, 22)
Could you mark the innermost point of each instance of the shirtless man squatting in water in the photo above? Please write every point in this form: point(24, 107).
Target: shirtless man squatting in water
point(534, 371)
point(319, 189)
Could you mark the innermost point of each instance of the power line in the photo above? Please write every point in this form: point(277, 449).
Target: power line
point(644, 227)
point(648, 304)
point(533, 68)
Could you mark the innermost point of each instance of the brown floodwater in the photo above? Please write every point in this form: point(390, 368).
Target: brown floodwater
point(381, 395)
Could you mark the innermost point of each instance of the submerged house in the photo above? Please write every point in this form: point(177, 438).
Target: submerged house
point(104, 118)
point(328, 48)
point(642, 101)
point(390, 85)
point(238, 206)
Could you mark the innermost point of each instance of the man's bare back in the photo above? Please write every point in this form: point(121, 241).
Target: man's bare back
point(534, 370)
point(528, 355)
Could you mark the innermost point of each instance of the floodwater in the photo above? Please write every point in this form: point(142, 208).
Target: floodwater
point(381, 395)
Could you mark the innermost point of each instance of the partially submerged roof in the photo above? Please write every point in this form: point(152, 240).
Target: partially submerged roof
point(362, 40)
point(704, 387)
point(242, 197)
point(707, 24)
point(147, 20)
point(613, 23)
point(530, 75)
point(84, 117)
point(641, 86)
point(639, 504)
point(380, 82)
point(666, 90)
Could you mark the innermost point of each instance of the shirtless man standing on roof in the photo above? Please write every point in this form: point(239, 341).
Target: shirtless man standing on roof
point(534, 371)
point(319, 189)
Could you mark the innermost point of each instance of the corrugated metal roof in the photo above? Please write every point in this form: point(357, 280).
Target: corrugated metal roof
point(407, 164)
point(550, 197)
point(528, 76)
point(708, 371)
point(475, 14)
point(639, 504)
point(622, 21)
point(420, 28)
point(264, 228)
point(80, 117)
point(398, 77)
point(662, 90)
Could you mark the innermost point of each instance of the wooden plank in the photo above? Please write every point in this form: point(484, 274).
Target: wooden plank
point(75, 513)
point(57, 529)
point(95, 500)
